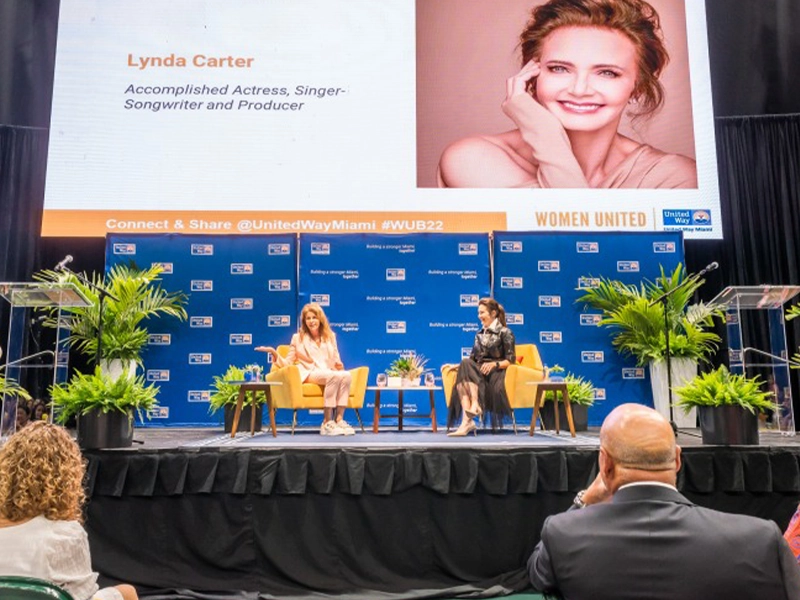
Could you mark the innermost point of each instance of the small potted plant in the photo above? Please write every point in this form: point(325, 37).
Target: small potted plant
point(104, 407)
point(581, 397)
point(406, 370)
point(727, 406)
point(226, 392)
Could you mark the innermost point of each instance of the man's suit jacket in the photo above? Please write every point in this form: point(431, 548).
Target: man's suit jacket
point(650, 542)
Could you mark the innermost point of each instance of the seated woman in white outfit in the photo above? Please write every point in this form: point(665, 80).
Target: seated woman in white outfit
point(313, 349)
point(41, 500)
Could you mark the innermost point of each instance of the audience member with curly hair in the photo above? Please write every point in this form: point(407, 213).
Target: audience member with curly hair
point(41, 502)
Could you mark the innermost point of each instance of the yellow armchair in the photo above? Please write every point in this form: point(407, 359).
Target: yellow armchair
point(296, 395)
point(519, 377)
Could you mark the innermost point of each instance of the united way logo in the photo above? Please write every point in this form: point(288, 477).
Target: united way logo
point(599, 394)
point(734, 357)
point(550, 337)
point(511, 283)
point(627, 266)
point(395, 274)
point(592, 356)
point(633, 373)
point(200, 358)
point(320, 248)
point(590, 320)
point(515, 318)
point(279, 250)
point(157, 375)
point(278, 321)
point(280, 285)
point(510, 246)
point(321, 299)
point(664, 247)
point(124, 249)
point(683, 217)
point(241, 268)
point(588, 283)
point(202, 285)
point(395, 326)
point(732, 318)
point(159, 412)
point(240, 339)
point(587, 247)
point(241, 304)
point(198, 396)
point(468, 300)
point(166, 267)
point(467, 249)
point(550, 301)
point(549, 266)
point(202, 249)
point(201, 322)
point(466, 352)
point(159, 339)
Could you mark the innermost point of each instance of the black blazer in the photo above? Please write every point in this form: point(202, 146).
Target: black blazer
point(651, 543)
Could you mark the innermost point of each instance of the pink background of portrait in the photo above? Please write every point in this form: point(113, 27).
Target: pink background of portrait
point(466, 49)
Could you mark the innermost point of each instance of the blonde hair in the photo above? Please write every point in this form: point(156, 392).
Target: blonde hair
point(41, 473)
point(325, 331)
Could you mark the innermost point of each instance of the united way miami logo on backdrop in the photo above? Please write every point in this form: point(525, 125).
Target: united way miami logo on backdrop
point(467, 249)
point(664, 247)
point(590, 320)
point(395, 274)
point(467, 300)
point(515, 319)
point(627, 266)
point(322, 248)
point(280, 285)
point(157, 375)
point(509, 246)
point(551, 337)
point(202, 285)
point(124, 249)
point(588, 283)
point(592, 356)
point(166, 267)
point(549, 301)
point(201, 322)
point(633, 373)
point(240, 339)
point(279, 321)
point(202, 249)
point(241, 268)
point(321, 299)
point(549, 266)
point(159, 339)
point(395, 327)
point(279, 250)
point(198, 396)
point(587, 247)
point(199, 358)
point(511, 283)
point(241, 304)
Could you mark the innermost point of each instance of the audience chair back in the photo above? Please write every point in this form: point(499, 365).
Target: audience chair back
point(28, 588)
point(296, 395)
point(520, 378)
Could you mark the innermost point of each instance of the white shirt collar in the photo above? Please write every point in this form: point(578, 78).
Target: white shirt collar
point(639, 483)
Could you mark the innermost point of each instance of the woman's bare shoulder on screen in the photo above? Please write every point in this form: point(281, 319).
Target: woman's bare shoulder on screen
point(486, 161)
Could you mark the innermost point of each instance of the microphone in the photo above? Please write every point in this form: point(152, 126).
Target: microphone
point(710, 267)
point(60, 266)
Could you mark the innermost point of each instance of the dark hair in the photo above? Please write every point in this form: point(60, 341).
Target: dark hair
point(635, 19)
point(493, 306)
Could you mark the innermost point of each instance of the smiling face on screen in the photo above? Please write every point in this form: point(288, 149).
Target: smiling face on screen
point(588, 75)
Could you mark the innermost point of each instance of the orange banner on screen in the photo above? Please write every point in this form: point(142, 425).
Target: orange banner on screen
point(97, 223)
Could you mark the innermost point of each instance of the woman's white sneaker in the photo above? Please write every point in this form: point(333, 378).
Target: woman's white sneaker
point(345, 428)
point(331, 428)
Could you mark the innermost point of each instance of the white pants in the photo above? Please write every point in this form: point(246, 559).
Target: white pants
point(109, 593)
point(337, 385)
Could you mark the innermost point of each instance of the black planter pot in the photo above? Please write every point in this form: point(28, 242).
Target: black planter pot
point(728, 425)
point(244, 420)
point(580, 416)
point(113, 429)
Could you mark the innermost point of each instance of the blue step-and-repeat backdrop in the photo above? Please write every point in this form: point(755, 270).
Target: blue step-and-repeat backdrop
point(386, 295)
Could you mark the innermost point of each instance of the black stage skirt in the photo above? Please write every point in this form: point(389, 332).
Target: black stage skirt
point(491, 394)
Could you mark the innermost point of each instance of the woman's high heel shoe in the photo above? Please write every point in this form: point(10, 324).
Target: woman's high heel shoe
point(464, 429)
point(476, 413)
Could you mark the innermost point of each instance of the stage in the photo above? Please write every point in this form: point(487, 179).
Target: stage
point(408, 514)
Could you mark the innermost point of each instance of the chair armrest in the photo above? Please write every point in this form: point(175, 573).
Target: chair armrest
point(291, 386)
point(449, 373)
point(358, 384)
point(518, 385)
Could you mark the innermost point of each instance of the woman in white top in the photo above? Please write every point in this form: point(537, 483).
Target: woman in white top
point(41, 500)
point(313, 349)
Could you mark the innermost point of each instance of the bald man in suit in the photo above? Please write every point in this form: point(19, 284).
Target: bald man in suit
point(632, 535)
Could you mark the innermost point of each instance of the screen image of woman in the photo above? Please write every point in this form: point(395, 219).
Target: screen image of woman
point(586, 64)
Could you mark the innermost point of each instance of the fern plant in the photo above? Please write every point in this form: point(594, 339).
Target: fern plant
point(637, 323)
point(580, 390)
point(137, 297)
point(96, 391)
point(226, 389)
point(723, 388)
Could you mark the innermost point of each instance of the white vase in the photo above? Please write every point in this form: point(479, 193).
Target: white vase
point(411, 382)
point(394, 382)
point(683, 371)
point(117, 368)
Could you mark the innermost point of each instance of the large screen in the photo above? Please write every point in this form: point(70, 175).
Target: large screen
point(390, 116)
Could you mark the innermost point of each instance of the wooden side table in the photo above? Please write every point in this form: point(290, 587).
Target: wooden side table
point(557, 387)
point(254, 387)
point(377, 415)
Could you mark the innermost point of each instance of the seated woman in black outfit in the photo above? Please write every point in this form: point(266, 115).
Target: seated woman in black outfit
point(480, 382)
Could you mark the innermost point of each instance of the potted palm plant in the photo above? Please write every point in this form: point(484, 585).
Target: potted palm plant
point(104, 407)
point(406, 370)
point(638, 328)
point(226, 392)
point(136, 296)
point(581, 397)
point(727, 404)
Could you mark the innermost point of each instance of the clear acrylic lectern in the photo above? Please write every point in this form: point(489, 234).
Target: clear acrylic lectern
point(25, 298)
point(769, 298)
